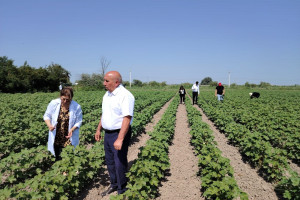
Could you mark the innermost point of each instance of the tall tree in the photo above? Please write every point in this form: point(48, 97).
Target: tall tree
point(206, 81)
point(26, 75)
point(94, 81)
point(40, 79)
point(58, 72)
point(57, 75)
point(29, 79)
point(104, 65)
point(137, 83)
point(9, 81)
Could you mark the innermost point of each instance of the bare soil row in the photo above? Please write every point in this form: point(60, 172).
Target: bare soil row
point(182, 181)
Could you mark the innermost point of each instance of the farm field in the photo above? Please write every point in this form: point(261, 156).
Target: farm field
point(264, 133)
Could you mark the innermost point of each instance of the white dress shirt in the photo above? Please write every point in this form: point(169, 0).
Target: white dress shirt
point(115, 106)
point(195, 88)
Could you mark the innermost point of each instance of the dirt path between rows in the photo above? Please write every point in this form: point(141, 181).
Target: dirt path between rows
point(183, 182)
point(294, 167)
point(247, 178)
point(93, 192)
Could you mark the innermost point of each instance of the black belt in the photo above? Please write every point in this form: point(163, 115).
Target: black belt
point(111, 131)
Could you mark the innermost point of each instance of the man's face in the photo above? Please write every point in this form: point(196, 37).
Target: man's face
point(110, 82)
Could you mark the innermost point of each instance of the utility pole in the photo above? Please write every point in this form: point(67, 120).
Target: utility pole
point(228, 79)
point(130, 79)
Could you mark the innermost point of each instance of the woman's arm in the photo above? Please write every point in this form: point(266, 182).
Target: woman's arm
point(78, 121)
point(48, 115)
point(50, 126)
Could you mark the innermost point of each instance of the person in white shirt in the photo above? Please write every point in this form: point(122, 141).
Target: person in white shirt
point(117, 116)
point(195, 89)
point(63, 118)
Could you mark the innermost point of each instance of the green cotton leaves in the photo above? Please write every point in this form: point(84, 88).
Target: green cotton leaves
point(215, 171)
point(153, 160)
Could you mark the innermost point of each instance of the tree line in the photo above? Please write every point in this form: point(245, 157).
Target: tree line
point(95, 82)
point(25, 78)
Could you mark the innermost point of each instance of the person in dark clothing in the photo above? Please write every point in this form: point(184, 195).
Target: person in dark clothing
point(182, 94)
point(220, 92)
point(254, 95)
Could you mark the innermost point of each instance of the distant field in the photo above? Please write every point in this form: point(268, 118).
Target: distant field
point(266, 130)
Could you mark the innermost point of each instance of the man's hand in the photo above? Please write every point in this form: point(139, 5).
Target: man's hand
point(124, 129)
point(118, 144)
point(98, 136)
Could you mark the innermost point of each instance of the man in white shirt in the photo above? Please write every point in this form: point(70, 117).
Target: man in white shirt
point(117, 116)
point(196, 92)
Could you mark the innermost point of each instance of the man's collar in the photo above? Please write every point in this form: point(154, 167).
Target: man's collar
point(114, 93)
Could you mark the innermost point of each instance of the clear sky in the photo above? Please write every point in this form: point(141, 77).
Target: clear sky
point(175, 41)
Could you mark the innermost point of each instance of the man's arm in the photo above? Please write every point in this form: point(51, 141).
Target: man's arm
point(98, 132)
point(124, 129)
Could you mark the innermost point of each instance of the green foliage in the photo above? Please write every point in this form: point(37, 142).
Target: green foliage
point(213, 83)
point(26, 164)
point(29, 79)
point(261, 85)
point(91, 82)
point(264, 84)
point(206, 81)
point(265, 130)
point(65, 178)
point(215, 171)
point(153, 161)
point(57, 75)
point(137, 83)
point(153, 84)
point(290, 187)
point(29, 173)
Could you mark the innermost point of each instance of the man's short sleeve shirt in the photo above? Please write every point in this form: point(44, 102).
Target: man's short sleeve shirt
point(115, 106)
point(220, 89)
point(195, 88)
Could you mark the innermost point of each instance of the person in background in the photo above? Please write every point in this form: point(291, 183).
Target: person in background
point(116, 120)
point(60, 87)
point(220, 92)
point(182, 94)
point(195, 89)
point(63, 118)
point(254, 95)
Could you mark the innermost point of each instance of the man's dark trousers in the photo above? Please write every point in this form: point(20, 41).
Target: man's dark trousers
point(116, 160)
point(195, 97)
